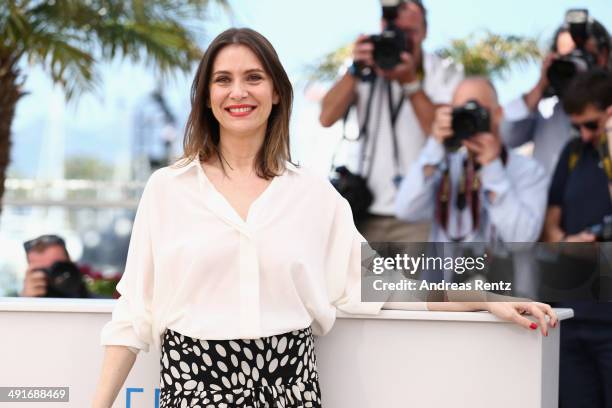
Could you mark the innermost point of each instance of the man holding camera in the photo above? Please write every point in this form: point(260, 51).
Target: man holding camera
point(580, 44)
point(395, 86)
point(579, 208)
point(50, 272)
point(473, 188)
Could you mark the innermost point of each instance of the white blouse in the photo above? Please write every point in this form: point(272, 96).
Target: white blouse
point(196, 267)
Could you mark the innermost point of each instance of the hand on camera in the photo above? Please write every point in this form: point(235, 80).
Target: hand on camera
point(485, 146)
point(35, 283)
point(548, 60)
point(363, 50)
point(404, 72)
point(441, 128)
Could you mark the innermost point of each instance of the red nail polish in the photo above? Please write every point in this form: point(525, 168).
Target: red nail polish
point(533, 326)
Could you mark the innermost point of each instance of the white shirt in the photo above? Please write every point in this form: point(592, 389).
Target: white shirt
point(196, 267)
point(441, 78)
point(515, 215)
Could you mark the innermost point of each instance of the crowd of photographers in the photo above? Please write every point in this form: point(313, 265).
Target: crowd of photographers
point(437, 160)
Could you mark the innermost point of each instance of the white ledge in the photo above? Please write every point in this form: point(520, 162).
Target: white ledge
point(106, 306)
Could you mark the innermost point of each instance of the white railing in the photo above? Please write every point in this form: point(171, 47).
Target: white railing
point(72, 193)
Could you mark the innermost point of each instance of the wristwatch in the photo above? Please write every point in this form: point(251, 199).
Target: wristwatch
point(411, 88)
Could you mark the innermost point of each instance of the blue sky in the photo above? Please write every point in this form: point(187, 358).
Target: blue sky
point(302, 31)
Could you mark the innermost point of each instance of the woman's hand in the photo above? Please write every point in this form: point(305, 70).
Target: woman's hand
point(513, 311)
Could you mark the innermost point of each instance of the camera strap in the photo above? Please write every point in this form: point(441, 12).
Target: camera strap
point(363, 131)
point(468, 195)
point(393, 114)
point(605, 162)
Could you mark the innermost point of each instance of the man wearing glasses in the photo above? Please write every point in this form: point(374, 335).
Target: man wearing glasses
point(50, 271)
point(579, 198)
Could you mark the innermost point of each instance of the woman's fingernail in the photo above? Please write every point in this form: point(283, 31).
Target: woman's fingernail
point(533, 326)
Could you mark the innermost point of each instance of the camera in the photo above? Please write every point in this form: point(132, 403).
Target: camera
point(354, 189)
point(603, 230)
point(64, 280)
point(467, 121)
point(389, 44)
point(563, 69)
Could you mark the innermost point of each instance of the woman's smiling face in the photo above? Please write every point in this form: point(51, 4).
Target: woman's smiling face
point(241, 92)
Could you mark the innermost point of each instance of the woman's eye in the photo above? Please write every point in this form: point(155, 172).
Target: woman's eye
point(255, 77)
point(222, 79)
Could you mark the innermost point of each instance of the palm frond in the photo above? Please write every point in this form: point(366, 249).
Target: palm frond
point(492, 54)
point(328, 67)
point(69, 66)
point(68, 36)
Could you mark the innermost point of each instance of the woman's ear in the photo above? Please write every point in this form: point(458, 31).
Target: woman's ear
point(275, 98)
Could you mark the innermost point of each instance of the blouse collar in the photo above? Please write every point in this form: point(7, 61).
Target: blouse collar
point(185, 165)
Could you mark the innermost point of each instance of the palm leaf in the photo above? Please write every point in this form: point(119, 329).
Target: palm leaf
point(492, 54)
point(67, 37)
point(328, 67)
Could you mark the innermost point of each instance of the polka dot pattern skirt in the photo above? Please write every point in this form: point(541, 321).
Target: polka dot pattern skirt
point(271, 372)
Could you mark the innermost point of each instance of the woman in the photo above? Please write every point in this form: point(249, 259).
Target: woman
point(238, 256)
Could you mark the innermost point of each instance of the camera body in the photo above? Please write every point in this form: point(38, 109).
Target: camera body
point(603, 230)
point(563, 69)
point(64, 280)
point(389, 44)
point(354, 189)
point(467, 121)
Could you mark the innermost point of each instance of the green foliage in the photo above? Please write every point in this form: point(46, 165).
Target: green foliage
point(68, 37)
point(492, 54)
point(101, 287)
point(326, 69)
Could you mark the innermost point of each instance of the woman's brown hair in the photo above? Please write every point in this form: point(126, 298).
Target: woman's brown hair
point(201, 140)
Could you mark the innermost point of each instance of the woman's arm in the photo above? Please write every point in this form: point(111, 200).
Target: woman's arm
point(510, 311)
point(118, 361)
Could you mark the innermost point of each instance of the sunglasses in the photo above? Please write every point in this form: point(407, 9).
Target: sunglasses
point(590, 125)
point(43, 240)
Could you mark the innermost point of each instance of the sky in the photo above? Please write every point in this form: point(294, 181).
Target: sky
point(102, 125)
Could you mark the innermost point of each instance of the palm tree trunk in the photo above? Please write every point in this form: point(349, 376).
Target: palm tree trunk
point(9, 95)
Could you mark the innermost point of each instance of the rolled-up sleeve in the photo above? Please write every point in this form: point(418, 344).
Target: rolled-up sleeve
point(518, 208)
point(518, 126)
point(131, 323)
point(416, 195)
point(343, 264)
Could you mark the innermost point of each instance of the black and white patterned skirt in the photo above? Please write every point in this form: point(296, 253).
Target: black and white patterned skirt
point(271, 372)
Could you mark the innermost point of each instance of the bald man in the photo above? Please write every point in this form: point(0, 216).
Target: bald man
point(479, 193)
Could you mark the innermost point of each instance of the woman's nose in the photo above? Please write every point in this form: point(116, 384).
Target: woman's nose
point(238, 91)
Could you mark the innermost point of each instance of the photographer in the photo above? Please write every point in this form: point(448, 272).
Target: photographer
point(50, 272)
point(395, 86)
point(581, 43)
point(465, 179)
point(579, 201)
